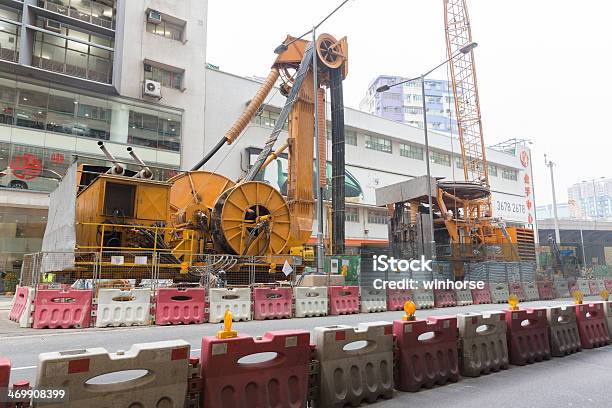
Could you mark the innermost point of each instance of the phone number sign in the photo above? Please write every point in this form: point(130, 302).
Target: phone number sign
point(509, 207)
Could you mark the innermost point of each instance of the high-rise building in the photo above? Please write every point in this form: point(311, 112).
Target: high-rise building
point(74, 72)
point(404, 103)
point(593, 198)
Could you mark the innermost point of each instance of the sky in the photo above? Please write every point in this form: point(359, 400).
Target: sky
point(543, 66)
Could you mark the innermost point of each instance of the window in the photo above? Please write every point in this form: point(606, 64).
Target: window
point(9, 41)
point(167, 29)
point(269, 118)
point(459, 162)
point(351, 214)
point(377, 217)
point(411, 151)
point(492, 170)
point(509, 174)
point(168, 79)
point(350, 137)
point(413, 110)
point(85, 58)
point(378, 143)
point(442, 159)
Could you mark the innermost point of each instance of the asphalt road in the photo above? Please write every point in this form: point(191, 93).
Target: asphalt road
point(579, 380)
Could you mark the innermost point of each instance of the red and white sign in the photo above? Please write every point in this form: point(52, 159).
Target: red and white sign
point(26, 166)
point(527, 181)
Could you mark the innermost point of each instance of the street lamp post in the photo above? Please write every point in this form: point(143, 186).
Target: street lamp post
point(550, 164)
point(464, 50)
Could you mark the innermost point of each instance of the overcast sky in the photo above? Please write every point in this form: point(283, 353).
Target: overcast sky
point(543, 65)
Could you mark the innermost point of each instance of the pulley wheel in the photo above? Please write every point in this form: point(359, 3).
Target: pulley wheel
point(240, 209)
point(330, 51)
point(207, 186)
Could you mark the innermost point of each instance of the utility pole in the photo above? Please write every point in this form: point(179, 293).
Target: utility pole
point(550, 165)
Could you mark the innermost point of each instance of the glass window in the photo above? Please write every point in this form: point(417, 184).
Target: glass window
point(269, 118)
point(60, 117)
point(9, 41)
point(169, 132)
point(459, 162)
point(7, 101)
point(81, 58)
point(168, 79)
point(351, 214)
point(31, 109)
point(378, 143)
point(492, 170)
point(143, 127)
point(377, 217)
point(509, 174)
point(440, 158)
point(350, 137)
point(411, 151)
point(167, 29)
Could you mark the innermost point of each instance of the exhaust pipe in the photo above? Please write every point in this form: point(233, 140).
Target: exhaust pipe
point(145, 172)
point(116, 169)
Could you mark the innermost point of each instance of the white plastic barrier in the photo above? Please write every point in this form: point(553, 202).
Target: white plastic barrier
point(423, 298)
point(601, 284)
point(356, 364)
point(157, 375)
point(561, 288)
point(464, 297)
point(118, 307)
point(484, 347)
point(236, 300)
point(26, 307)
point(531, 291)
point(373, 300)
point(310, 301)
point(499, 292)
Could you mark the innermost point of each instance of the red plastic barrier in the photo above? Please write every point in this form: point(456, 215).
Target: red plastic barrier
point(608, 285)
point(482, 296)
point(396, 298)
point(19, 305)
point(279, 382)
point(5, 372)
point(546, 290)
point(429, 360)
point(593, 288)
point(56, 308)
point(272, 303)
point(445, 298)
point(343, 300)
point(592, 325)
point(180, 306)
point(527, 343)
point(516, 288)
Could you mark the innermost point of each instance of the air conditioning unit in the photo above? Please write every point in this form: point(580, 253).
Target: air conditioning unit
point(152, 88)
point(154, 16)
point(53, 25)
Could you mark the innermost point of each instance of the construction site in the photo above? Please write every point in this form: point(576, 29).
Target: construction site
point(126, 250)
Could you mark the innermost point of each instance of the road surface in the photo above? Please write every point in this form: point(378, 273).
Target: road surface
point(579, 380)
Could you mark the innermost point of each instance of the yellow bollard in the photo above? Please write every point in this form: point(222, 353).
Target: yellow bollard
point(410, 309)
point(578, 297)
point(604, 295)
point(344, 270)
point(513, 301)
point(227, 332)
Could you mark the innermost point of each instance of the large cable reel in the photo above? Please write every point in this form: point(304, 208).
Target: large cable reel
point(251, 219)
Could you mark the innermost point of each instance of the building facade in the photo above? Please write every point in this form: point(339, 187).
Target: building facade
point(593, 198)
point(404, 103)
point(379, 152)
point(73, 72)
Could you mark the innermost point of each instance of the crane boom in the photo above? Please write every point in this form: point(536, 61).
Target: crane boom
point(465, 92)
